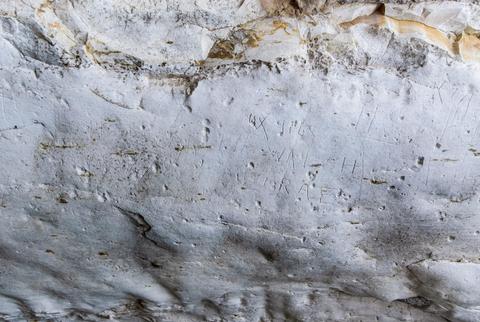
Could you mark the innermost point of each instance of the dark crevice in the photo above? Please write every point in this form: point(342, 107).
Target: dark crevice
point(380, 9)
point(144, 227)
point(418, 302)
point(294, 4)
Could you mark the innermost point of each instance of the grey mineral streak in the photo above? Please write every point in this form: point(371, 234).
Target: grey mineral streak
point(256, 160)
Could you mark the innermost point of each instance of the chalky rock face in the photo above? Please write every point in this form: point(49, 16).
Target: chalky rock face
point(256, 160)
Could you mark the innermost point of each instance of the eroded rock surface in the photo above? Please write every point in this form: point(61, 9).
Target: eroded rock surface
point(239, 160)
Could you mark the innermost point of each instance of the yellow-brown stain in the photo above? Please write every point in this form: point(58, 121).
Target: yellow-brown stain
point(45, 5)
point(466, 45)
point(252, 38)
point(222, 49)
point(54, 25)
point(376, 181)
point(46, 13)
point(279, 24)
point(469, 46)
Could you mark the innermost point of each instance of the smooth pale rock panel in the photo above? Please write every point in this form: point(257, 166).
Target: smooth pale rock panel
point(243, 194)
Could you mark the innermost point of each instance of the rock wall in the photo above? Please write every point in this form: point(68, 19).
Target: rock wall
point(255, 160)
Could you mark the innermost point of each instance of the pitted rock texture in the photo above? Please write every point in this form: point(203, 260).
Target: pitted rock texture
point(239, 160)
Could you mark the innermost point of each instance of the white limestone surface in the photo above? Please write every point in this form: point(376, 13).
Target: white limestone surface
point(238, 161)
